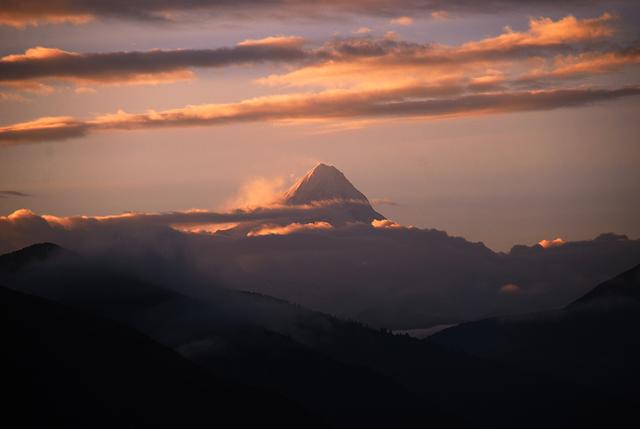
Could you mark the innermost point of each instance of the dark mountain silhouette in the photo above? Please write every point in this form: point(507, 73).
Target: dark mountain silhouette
point(15, 261)
point(346, 373)
point(216, 335)
point(411, 278)
point(593, 341)
point(63, 368)
point(621, 288)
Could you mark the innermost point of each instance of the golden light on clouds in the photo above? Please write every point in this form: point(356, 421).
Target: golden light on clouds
point(402, 20)
point(258, 192)
point(23, 20)
point(274, 41)
point(385, 224)
point(289, 229)
point(556, 242)
point(418, 102)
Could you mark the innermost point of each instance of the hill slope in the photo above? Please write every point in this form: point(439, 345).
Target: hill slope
point(593, 341)
point(343, 371)
point(67, 369)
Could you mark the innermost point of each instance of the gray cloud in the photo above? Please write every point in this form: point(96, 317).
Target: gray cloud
point(392, 277)
point(121, 65)
point(52, 63)
point(6, 194)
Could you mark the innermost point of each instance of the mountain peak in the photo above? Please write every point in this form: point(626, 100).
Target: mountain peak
point(326, 183)
point(323, 182)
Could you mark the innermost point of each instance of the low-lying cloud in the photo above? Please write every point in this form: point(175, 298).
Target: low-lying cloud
point(289, 229)
point(383, 274)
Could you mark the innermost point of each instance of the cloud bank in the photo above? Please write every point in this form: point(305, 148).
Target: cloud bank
point(22, 13)
point(383, 274)
point(362, 78)
point(334, 61)
point(132, 67)
point(404, 102)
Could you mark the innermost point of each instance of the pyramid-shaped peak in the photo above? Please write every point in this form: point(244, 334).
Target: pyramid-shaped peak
point(322, 182)
point(322, 167)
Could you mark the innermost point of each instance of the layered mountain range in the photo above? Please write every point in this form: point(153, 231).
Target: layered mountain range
point(323, 245)
point(98, 334)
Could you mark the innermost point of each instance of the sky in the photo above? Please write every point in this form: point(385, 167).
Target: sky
point(508, 123)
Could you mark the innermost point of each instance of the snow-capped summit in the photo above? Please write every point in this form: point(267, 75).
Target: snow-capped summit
point(325, 183)
point(322, 183)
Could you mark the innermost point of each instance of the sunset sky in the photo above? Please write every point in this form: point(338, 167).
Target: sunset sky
point(502, 121)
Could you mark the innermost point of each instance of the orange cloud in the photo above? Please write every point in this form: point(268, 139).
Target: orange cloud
point(357, 63)
point(385, 224)
point(363, 62)
point(289, 229)
point(21, 20)
point(416, 102)
point(258, 192)
point(19, 214)
point(85, 90)
point(556, 242)
point(20, 13)
point(288, 41)
point(587, 64)
point(210, 228)
point(148, 67)
point(440, 14)
point(362, 30)
point(38, 53)
point(402, 20)
point(546, 32)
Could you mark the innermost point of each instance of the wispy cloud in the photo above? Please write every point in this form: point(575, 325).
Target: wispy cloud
point(289, 229)
point(36, 12)
point(340, 62)
point(142, 67)
point(367, 60)
point(7, 194)
point(403, 102)
point(366, 79)
point(402, 20)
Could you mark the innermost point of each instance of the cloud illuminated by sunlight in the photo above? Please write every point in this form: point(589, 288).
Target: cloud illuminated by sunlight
point(289, 229)
point(556, 242)
point(385, 224)
point(274, 41)
point(22, 20)
point(402, 20)
point(418, 102)
point(258, 192)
